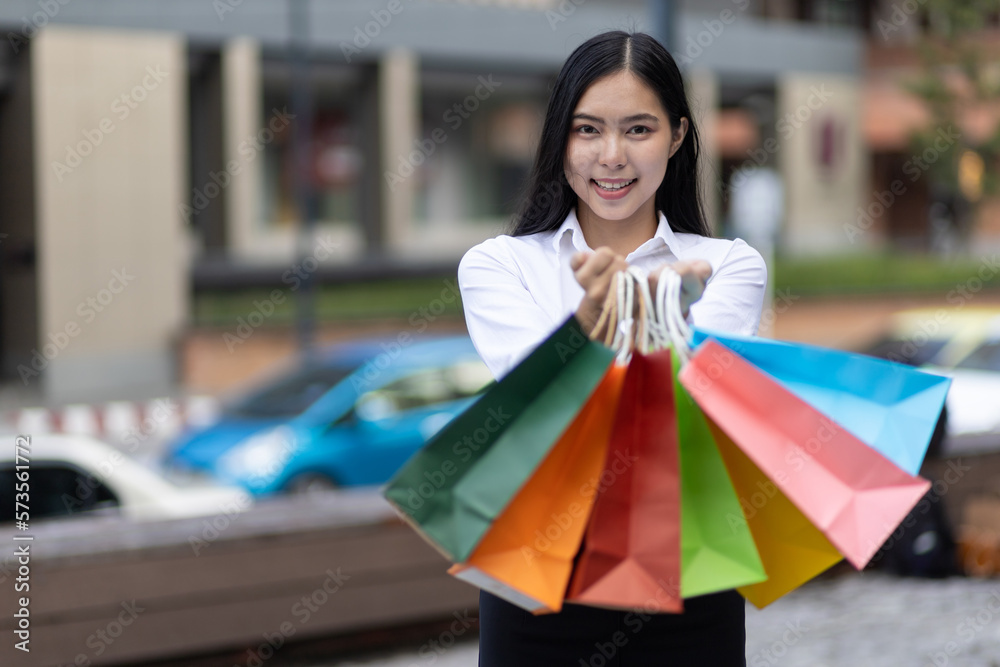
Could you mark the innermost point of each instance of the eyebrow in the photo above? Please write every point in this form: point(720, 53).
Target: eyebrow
point(628, 119)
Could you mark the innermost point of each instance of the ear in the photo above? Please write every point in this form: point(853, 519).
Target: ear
point(679, 133)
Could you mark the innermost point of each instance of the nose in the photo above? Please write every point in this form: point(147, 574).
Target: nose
point(613, 152)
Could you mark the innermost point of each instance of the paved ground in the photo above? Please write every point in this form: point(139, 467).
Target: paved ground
point(857, 620)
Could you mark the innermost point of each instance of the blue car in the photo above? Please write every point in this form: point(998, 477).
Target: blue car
point(389, 400)
point(262, 408)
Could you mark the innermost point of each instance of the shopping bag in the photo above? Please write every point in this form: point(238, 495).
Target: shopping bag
point(889, 406)
point(851, 492)
point(453, 489)
point(717, 547)
point(791, 548)
point(631, 551)
point(527, 555)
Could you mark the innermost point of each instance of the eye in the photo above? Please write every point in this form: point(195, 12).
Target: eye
point(585, 129)
point(640, 129)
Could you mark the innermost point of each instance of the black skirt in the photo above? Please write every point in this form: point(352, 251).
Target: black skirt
point(710, 633)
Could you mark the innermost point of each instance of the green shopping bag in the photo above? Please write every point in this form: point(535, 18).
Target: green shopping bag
point(453, 489)
point(717, 553)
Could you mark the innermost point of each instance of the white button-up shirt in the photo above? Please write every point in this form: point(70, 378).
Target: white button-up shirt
point(516, 290)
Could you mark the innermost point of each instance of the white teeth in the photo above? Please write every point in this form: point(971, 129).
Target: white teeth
point(614, 186)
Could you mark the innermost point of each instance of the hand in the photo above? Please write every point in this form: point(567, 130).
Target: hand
point(595, 271)
point(694, 275)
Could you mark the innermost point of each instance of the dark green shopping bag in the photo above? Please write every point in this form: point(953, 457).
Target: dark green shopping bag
point(718, 551)
point(453, 489)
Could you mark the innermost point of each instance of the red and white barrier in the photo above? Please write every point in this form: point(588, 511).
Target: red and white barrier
point(118, 422)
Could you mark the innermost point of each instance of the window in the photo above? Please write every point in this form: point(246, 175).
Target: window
point(424, 388)
point(57, 489)
point(336, 157)
point(986, 357)
point(484, 130)
point(290, 395)
point(905, 351)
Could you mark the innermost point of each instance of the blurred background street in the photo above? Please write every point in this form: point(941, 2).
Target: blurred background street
point(229, 237)
point(858, 619)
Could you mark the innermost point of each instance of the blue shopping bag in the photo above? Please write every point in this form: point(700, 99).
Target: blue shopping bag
point(891, 407)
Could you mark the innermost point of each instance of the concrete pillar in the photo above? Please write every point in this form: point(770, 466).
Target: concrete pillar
point(822, 161)
point(242, 118)
point(110, 110)
point(703, 97)
point(399, 119)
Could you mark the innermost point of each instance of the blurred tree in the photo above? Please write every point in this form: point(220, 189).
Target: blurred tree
point(959, 80)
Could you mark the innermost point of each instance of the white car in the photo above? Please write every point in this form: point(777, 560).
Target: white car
point(974, 398)
point(71, 474)
point(965, 346)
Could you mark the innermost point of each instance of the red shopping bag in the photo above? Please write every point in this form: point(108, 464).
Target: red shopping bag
point(631, 551)
point(853, 494)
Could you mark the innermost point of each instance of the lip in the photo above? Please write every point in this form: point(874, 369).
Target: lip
point(618, 194)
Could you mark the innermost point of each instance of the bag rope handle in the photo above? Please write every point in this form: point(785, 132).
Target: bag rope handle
point(616, 316)
point(668, 303)
point(659, 323)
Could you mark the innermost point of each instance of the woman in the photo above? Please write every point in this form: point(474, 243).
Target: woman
point(614, 184)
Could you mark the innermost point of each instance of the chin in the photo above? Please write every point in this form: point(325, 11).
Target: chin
point(606, 212)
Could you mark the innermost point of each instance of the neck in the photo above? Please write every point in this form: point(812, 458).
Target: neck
point(622, 236)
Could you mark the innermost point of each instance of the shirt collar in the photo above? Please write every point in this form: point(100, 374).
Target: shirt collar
point(664, 236)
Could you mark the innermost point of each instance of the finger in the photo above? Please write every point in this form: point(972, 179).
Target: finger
point(694, 277)
point(596, 267)
point(578, 259)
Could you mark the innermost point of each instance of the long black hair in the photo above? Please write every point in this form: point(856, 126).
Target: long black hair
point(548, 196)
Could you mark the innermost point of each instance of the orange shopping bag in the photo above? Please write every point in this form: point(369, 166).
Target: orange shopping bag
point(527, 555)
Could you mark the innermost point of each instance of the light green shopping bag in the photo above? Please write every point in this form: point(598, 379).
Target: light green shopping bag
point(717, 549)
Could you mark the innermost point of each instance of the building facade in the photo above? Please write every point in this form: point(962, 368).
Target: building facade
point(144, 140)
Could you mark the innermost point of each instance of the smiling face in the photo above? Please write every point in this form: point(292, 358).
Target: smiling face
point(620, 141)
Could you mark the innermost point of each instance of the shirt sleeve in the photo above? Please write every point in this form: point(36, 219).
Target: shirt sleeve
point(734, 295)
point(503, 319)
